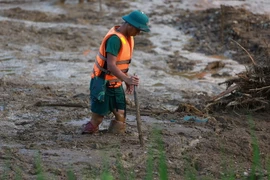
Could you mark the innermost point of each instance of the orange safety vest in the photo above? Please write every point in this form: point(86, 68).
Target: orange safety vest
point(123, 58)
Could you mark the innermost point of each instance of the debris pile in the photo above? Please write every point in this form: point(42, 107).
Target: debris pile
point(249, 90)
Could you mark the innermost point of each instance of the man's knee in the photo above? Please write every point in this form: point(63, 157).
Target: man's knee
point(120, 115)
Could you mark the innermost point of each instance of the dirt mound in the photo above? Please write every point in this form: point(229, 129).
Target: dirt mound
point(213, 29)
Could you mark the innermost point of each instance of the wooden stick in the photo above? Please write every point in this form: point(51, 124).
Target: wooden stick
point(100, 5)
point(68, 104)
point(138, 117)
point(229, 90)
point(262, 88)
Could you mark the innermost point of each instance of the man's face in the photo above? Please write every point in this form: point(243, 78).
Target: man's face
point(133, 31)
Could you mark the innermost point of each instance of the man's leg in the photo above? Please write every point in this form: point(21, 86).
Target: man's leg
point(92, 126)
point(118, 125)
point(96, 119)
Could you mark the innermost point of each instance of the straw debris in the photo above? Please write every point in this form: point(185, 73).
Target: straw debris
point(249, 90)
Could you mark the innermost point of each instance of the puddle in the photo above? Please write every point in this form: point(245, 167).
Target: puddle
point(167, 124)
point(9, 145)
point(34, 6)
point(5, 58)
point(2, 107)
point(44, 25)
point(13, 66)
point(131, 120)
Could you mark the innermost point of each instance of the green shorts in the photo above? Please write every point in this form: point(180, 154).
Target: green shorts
point(114, 99)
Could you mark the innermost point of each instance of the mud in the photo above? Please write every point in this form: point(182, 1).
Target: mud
point(41, 112)
point(215, 31)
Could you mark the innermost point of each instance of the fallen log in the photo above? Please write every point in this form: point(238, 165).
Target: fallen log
point(63, 104)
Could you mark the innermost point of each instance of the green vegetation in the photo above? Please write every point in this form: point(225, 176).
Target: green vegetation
point(4, 176)
point(156, 165)
point(268, 167)
point(39, 170)
point(256, 163)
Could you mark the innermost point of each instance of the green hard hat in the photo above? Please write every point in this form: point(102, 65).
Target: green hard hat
point(137, 19)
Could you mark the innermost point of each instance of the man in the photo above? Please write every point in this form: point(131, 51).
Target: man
point(110, 70)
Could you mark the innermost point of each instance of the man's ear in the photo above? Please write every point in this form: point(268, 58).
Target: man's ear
point(128, 25)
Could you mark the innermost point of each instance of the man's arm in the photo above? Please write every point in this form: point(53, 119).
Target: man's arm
point(111, 66)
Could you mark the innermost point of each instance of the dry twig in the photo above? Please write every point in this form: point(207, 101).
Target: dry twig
point(245, 51)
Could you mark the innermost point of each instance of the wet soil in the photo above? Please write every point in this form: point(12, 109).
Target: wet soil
point(41, 122)
point(215, 31)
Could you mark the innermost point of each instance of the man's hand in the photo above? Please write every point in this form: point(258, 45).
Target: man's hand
point(132, 80)
point(129, 89)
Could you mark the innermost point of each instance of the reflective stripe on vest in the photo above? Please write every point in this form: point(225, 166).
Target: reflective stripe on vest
point(117, 63)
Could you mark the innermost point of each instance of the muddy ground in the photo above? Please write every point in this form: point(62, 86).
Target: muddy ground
point(41, 122)
point(215, 31)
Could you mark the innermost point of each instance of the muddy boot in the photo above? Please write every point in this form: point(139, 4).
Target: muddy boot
point(89, 128)
point(117, 127)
